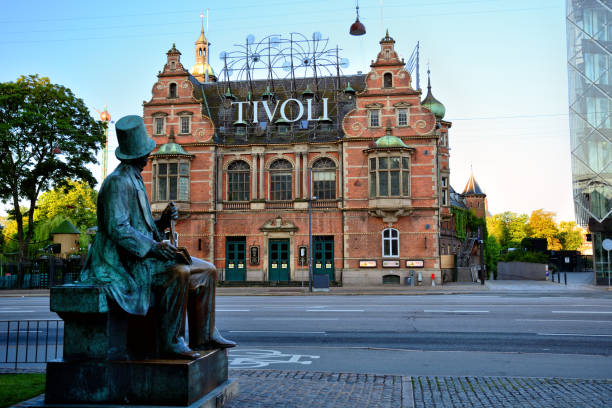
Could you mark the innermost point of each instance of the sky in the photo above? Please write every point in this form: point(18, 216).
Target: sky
point(499, 67)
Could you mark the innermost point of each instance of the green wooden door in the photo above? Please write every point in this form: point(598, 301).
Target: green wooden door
point(235, 259)
point(278, 260)
point(323, 256)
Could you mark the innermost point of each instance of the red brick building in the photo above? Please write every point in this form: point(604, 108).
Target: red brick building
point(242, 158)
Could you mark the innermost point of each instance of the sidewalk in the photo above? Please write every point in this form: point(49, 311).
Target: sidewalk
point(286, 389)
point(446, 289)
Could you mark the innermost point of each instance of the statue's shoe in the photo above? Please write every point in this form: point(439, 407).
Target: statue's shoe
point(217, 341)
point(180, 350)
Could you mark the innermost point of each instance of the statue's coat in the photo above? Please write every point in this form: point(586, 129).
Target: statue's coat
point(126, 233)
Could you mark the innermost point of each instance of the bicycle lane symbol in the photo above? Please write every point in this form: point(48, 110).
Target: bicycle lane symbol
point(256, 358)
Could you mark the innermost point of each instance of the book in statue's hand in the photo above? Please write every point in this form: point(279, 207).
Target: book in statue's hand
point(182, 256)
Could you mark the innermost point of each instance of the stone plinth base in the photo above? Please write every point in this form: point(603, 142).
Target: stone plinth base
point(147, 382)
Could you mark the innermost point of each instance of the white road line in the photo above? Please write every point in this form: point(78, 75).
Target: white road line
point(233, 310)
point(312, 319)
point(455, 311)
point(335, 310)
point(17, 311)
point(562, 320)
point(276, 331)
point(580, 311)
point(575, 334)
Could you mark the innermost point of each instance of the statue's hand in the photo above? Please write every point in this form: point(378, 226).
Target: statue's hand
point(163, 251)
point(169, 213)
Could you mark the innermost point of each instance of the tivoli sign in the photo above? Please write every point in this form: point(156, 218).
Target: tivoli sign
point(283, 107)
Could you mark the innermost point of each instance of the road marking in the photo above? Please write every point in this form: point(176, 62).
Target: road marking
point(276, 331)
point(335, 310)
point(575, 334)
point(455, 311)
point(580, 311)
point(257, 358)
point(233, 310)
point(312, 319)
point(562, 320)
point(17, 311)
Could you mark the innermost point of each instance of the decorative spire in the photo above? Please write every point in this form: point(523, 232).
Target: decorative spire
point(430, 102)
point(472, 187)
point(202, 70)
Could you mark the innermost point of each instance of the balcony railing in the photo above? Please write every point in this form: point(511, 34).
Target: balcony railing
point(324, 204)
point(236, 205)
point(279, 204)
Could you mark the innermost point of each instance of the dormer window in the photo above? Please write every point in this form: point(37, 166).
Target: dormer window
point(387, 80)
point(172, 91)
point(387, 54)
point(173, 65)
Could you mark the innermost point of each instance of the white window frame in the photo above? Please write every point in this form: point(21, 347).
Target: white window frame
point(390, 239)
point(163, 126)
point(181, 118)
point(378, 119)
point(399, 111)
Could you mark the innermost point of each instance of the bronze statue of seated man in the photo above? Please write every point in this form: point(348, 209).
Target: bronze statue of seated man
point(136, 267)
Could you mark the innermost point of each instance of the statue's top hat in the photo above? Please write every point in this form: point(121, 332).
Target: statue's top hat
point(134, 142)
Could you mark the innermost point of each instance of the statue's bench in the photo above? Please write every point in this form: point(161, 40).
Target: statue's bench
point(109, 357)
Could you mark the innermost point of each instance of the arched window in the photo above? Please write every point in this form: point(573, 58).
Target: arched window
point(324, 179)
point(238, 181)
point(173, 65)
point(200, 52)
point(387, 80)
point(172, 91)
point(280, 180)
point(390, 243)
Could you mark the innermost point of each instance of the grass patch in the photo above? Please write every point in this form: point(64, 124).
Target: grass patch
point(15, 388)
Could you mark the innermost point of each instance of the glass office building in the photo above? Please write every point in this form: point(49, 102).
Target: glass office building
point(589, 62)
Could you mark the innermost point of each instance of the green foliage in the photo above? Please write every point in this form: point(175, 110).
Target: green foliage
point(510, 229)
point(461, 222)
point(491, 252)
point(47, 136)
point(524, 256)
point(15, 388)
point(570, 235)
point(75, 202)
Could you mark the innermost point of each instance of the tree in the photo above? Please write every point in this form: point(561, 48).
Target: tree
point(542, 224)
point(509, 228)
point(75, 201)
point(570, 235)
point(46, 136)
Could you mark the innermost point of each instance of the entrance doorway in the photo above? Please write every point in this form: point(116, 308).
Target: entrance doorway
point(235, 259)
point(278, 260)
point(323, 256)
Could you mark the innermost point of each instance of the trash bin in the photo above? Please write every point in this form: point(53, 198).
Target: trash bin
point(408, 281)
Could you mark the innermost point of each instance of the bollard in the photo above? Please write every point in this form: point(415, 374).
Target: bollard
point(433, 279)
point(565, 277)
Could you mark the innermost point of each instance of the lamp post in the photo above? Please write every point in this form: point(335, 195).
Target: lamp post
point(310, 199)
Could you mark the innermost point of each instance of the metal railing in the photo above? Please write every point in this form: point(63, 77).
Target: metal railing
point(30, 341)
point(39, 273)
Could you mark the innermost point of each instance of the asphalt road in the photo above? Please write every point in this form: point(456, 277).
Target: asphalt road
point(488, 334)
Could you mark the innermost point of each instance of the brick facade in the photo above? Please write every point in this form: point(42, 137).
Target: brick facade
point(348, 227)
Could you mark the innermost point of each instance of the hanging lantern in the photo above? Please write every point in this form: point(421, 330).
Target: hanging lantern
point(357, 28)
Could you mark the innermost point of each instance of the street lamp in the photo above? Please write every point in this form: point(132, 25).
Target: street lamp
point(310, 199)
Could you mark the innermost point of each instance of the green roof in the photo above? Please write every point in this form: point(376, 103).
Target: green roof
point(171, 148)
point(390, 141)
point(65, 227)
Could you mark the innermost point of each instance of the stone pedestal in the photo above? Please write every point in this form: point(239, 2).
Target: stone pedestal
point(109, 359)
point(147, 382)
